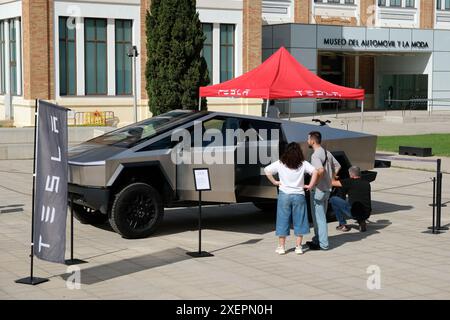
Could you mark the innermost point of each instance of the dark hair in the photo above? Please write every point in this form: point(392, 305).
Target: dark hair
point(293, 156)
point(316, 136)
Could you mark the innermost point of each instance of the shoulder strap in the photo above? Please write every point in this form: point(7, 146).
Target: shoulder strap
point(326, 157)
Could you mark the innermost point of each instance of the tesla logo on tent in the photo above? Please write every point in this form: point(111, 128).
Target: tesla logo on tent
point(317, 93)
point(234, 92)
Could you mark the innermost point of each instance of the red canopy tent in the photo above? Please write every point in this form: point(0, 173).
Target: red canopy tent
point(281, 77)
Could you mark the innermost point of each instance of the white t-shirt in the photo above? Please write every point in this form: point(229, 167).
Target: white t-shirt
point(292, 181)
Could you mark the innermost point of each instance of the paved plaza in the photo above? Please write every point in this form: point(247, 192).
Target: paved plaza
point(412, 264)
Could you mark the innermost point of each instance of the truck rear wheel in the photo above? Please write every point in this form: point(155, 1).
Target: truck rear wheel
point(87, 215)
point(137, 211)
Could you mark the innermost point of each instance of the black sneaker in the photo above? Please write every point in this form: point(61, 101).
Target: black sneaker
point(312, 246)
point(362, 226)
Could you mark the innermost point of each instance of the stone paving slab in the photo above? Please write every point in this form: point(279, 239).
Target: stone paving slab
point(413, 264)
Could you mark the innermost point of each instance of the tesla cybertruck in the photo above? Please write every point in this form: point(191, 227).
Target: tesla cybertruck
point(128, 176)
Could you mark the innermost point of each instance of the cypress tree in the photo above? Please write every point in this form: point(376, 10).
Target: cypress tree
point(175, 68)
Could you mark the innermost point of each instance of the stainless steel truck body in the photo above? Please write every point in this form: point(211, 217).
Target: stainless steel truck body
point(129, 175)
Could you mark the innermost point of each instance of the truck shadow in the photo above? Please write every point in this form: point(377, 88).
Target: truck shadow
point(241, 218)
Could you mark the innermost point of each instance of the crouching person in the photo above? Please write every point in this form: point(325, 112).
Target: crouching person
point(291, 169)
point(358, 206)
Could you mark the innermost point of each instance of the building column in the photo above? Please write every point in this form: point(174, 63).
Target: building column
point(216, 57)
point(145, 6)
point(302, 11)
point(8, 98)
point(252, 34)
point(81, 87)
point(427, 13)
point(356, 71)
point(368, 13)
point(19, 56)
point(37, 49)
point(111, 57)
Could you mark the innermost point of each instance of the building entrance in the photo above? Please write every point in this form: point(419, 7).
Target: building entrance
point(404, 87)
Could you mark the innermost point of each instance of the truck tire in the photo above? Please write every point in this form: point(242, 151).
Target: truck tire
point(137, 211)
point(87, 215)
point(267, 205)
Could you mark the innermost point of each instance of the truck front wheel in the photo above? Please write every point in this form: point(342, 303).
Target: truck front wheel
point(137, 211)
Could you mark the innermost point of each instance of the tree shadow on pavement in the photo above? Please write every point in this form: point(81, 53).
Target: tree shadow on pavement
point(352, 236)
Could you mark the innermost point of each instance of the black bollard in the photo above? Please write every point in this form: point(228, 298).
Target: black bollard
point(439, 197)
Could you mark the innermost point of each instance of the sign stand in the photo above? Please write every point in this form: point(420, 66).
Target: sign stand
point(72, 261)
point(202, 183)
point(31, 280)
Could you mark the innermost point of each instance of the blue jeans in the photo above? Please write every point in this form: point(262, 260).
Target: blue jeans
point(319, 206)
point(291, 206)
point(341, 209)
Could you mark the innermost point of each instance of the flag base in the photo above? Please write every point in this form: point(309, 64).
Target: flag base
point(72, 262)
point(202, 254)
point(33, 281)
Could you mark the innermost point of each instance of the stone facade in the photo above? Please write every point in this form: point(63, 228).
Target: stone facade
point(336, 21)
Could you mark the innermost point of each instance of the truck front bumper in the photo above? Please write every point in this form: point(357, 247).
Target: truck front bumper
point(95, 198)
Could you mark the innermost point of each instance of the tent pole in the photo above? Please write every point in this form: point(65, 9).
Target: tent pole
point(199, 103)
point(362, 115)
point(290, 105)
point(267, 108)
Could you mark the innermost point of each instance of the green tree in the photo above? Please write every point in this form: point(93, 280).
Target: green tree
point(175, 68)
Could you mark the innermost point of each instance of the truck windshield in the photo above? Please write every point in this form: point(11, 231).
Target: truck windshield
point(128, 136)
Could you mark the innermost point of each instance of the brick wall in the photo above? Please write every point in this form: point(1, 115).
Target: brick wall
point(145, 5)
point(38, 64)
point(302, 11)
point(252, 34)
point(368, 8)
point(427, 11)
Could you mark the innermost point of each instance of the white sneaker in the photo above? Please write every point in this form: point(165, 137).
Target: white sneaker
point(299, 250)
point(280, 250)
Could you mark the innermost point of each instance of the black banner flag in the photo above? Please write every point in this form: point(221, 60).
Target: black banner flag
point(51, 183)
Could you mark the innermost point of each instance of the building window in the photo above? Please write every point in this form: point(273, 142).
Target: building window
point(207, 51)
point(395, 3)
point(336, 1)
point(226, 52)
point(443, 5)
point(410, 4)
point(124, 42)
point(13, 56)
point(96, 56)
point(2, 58)
point(382, 3)
point(67, 58)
